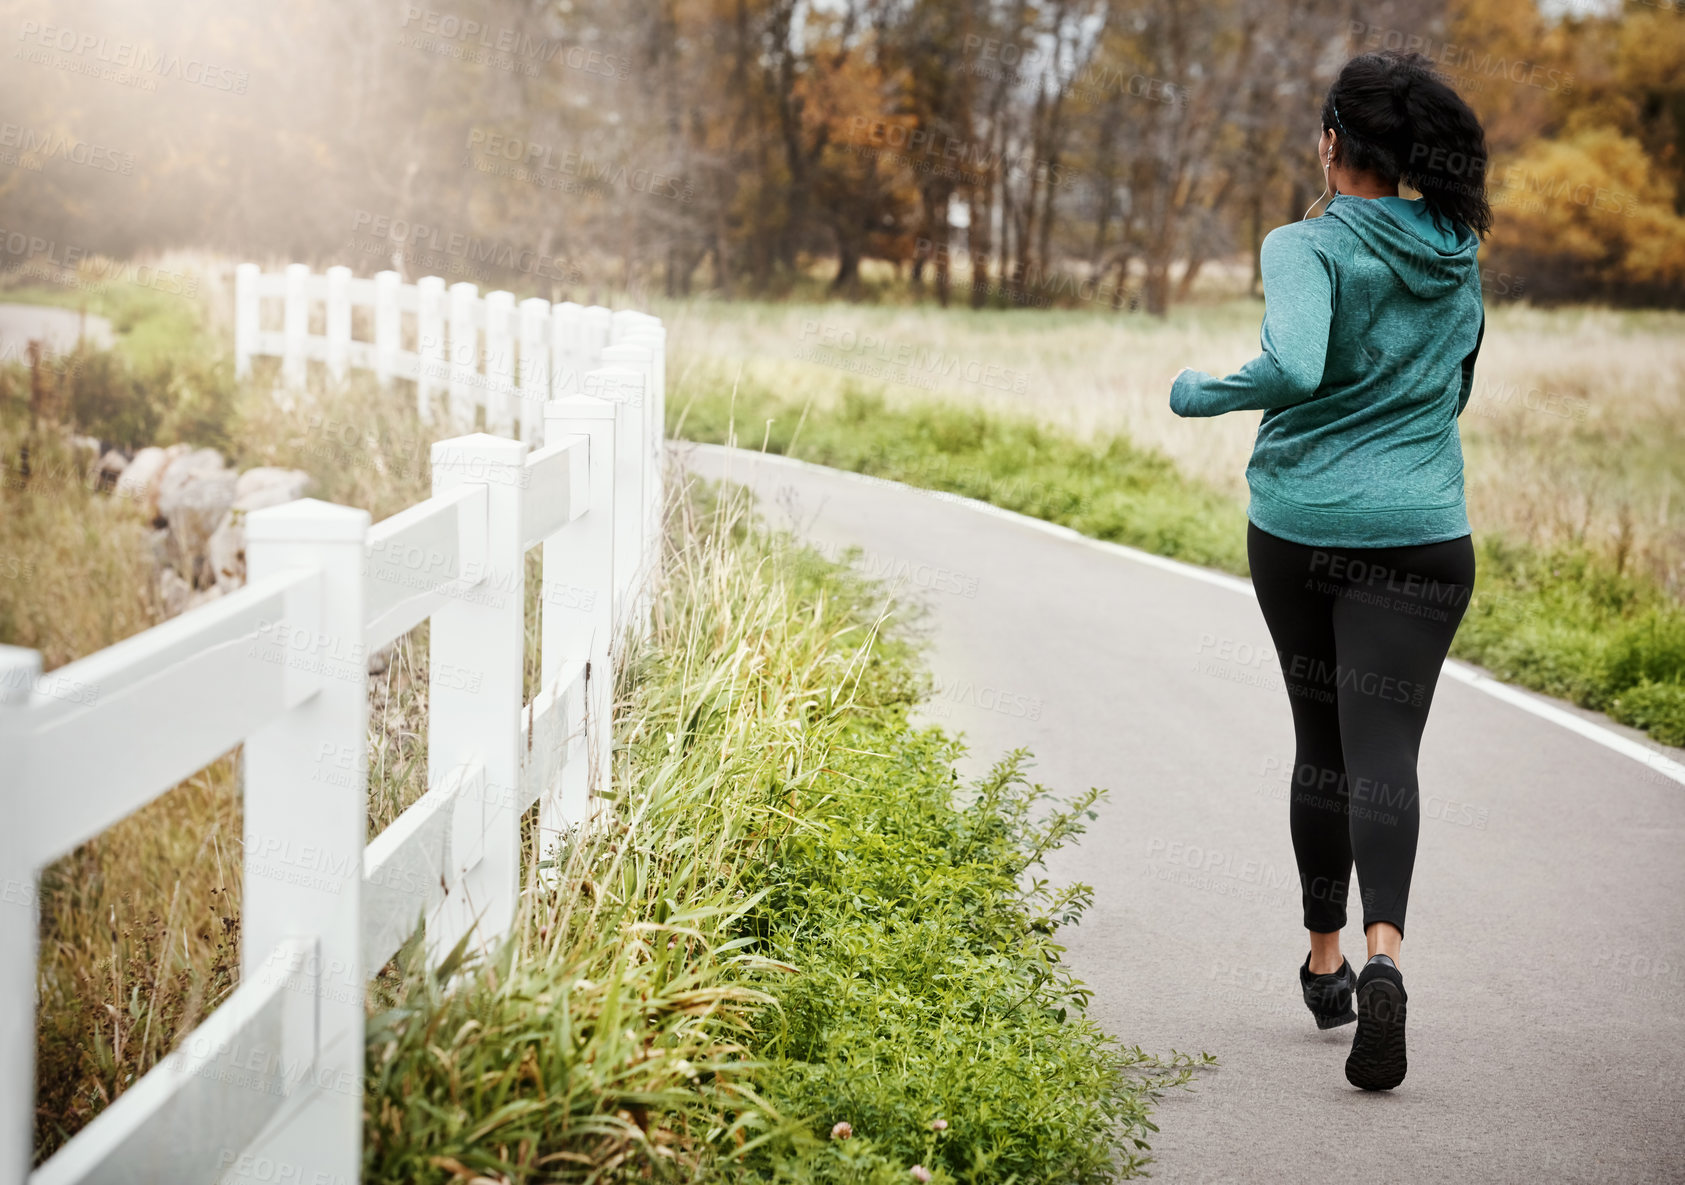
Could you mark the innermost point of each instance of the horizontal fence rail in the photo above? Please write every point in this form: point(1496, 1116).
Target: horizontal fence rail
point(478, 351)
point(271, 1082)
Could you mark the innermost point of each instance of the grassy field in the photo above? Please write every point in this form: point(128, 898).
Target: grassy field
point(1574, 435)
point(1567, 619)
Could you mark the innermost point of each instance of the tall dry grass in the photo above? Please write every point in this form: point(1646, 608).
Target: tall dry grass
point(1575, 432)
point(139, 934)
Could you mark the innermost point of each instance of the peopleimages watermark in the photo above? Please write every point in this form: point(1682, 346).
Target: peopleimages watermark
point(123, 61)
point(469, 40)
point(305, 648)
point(52, 685)
point(1514, 185)
point(567, 170)
point(903, 362)
point(12, 568)
point(1488, 398)
point(1471, 66)
point(1283, 778)
point(48, 145)
point(250, 1166)
point(70, 265)
point(1384, 586)
point(1007, 61)
point(928, 151)
point(56, 362)
point(420, 242)
point(1236, 662)
point(1315, 678)
point(158, 279)
point(1196, 866)
point(1033, 286)
point(344, 443)
point(946, 694)
point(890, 569)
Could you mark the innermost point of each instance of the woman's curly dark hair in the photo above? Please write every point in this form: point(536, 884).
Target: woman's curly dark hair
point(1395, 117)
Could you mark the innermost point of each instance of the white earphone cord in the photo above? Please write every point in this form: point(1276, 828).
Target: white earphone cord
point(1324, 192)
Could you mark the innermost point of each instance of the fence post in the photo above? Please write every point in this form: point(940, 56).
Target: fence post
point(535, 367)
point(500, 363)
point(386, 325)
point(19, 669)
point(429, 343)
point(474, 705)
point(295, 326)
point(338, 322)
point(624, 389)
point(465, 356)
point(246, 321)
point(576, 607)
point(566, 377)
point(306, 802)
point(621, 324)
point(594, 325)
point(632, 469)
point(648, 332)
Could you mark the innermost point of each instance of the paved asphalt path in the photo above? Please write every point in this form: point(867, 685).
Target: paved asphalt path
point(58, 330)
point(1546, 956)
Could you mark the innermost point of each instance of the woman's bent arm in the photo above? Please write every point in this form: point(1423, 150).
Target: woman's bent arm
point(1298, 307)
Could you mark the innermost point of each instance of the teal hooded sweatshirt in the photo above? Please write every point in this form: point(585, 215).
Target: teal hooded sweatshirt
point(1372, 320)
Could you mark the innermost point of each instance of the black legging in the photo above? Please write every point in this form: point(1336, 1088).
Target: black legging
point(1361, 633)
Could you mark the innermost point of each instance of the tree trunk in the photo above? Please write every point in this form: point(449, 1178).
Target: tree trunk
point(1119, 295)
point(940, 233)
point(847, 280)
point(944, 285)
point(977, 243)
point(1158, 273)
point(1185, 286)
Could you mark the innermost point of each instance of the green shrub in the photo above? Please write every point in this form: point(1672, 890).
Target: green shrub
point(932, 988)
point(788, 920)
point(1658, 708)
point(1568, 623)
point(106, 394)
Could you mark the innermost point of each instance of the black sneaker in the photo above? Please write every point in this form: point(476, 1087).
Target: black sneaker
point(1329, 997)
point(1377, 1058)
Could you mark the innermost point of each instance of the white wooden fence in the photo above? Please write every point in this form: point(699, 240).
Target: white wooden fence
point(269, 1088)
point(480, 351)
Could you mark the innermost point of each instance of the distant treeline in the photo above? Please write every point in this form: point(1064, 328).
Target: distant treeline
point(996, 152)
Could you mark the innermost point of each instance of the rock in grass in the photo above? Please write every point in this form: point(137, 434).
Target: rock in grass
point(256, 489)
point(158, 544)
point(140, 477)
point(195, 493)
point(225, 552)
point(109, 469)
point(173, 591)
point(268, 486)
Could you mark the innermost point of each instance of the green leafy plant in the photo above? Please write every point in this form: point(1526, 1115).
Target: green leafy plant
point(791, 917)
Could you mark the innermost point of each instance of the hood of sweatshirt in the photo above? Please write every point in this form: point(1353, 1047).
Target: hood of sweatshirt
point(1430, 260)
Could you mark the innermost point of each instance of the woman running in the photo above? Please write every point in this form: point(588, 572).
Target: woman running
point(1358, 537)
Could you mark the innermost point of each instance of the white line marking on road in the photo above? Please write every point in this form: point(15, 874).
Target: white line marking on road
point(1463, 673)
